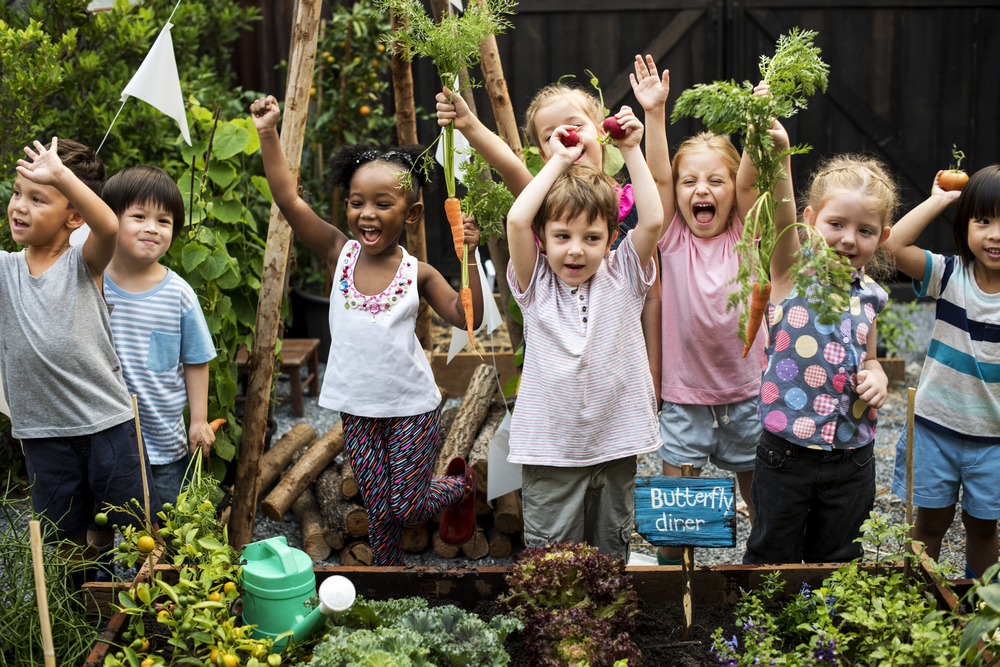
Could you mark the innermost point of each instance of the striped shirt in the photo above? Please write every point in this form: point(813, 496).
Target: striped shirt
point(959, 390)
point(156, 333)
point(586, 394)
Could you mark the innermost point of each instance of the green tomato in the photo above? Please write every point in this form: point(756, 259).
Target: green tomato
point(274, 660)
point(167, 507)
point(100, 518)
point(178, 613)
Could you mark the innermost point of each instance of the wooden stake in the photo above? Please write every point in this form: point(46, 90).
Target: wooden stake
point(48, 650)
point(687, 470)
point(279, 236)
point(910, 401)
point(142, 462)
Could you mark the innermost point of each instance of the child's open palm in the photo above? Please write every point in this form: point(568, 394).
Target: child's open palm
point(45, 167)
point(650, 90)
point(265, 113)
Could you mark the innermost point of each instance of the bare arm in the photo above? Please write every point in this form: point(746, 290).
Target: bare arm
point(873, 384)
point(746, 175)
point(445, 301)
point(652, 333)
point(652, 93)
point(196, 383)
point(647, 199)
point(453, 108)
point(907, 257)
point(322, 238)
point(788, 244)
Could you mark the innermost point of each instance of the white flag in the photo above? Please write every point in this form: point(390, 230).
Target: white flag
point(156, 82)
point(491, 314)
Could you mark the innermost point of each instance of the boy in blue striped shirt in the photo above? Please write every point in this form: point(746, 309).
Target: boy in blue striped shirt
point(159, 329)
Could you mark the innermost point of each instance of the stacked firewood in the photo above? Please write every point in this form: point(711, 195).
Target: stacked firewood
point(313, 477)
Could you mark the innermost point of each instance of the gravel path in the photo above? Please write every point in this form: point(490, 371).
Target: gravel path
point(892, 418)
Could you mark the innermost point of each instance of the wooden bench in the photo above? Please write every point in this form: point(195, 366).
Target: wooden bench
point(295, 353)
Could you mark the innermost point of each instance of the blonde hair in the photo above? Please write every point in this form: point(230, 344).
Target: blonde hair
point(867, 176)
point(582, 188)
point(579, 98)
point(706, 141)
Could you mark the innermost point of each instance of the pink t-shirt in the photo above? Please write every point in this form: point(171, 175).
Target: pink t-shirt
point(700, 339)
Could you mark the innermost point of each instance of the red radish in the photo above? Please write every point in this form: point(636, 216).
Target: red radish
point(571, 139)
point(614, 128)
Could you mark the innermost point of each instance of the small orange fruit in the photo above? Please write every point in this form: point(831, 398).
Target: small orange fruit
point(144, 646)
point(380, 48)
point(146, 544)
point(230, 660)
point(147, 662)
point(364, 111)
point(230, 587)
point(215, 597)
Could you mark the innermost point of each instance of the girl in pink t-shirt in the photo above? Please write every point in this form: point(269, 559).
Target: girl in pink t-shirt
point(709, 389)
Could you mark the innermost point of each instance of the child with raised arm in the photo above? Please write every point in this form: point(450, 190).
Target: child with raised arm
point(956, 427)
point(378, 376)
point(69, 404)
point(586, 406)
point(814, 478)
point(160, 331)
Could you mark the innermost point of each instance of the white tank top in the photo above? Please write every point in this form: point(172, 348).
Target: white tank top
point(376, 366)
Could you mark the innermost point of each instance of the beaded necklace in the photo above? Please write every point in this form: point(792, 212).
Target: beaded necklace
point(379, 303)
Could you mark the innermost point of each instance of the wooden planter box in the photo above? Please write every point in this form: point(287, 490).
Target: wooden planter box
point(466, 587)
point(894, 367)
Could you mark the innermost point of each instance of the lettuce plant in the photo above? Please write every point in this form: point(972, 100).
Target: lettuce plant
point(577, 606)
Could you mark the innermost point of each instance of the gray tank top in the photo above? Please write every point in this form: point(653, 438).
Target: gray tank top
point(60, 373)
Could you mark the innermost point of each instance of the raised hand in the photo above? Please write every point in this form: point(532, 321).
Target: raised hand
point(632, 126)
point(451, 107)
point(948, 196)
point(43, 165)
point(265, 113)
point(650, 90)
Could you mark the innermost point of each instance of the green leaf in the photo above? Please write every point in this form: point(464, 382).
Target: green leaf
point(142, 593)
point(230, 139)
point(519, 355)
point(260, 183)
point(254, 144)
point(512, 385)
point(224, 449)
point(193, 255)
point(226, 211)
point(125, 598)
point(613, 160)
point(228, 281)
point(214, 265)
point(991, 596)
point(979, 625)
point(171, 593)
point(515, 312)
point(221, 173)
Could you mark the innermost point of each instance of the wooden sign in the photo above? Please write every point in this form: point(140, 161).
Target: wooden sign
point(686, 511)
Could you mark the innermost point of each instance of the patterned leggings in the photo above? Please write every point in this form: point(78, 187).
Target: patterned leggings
point(392, 459)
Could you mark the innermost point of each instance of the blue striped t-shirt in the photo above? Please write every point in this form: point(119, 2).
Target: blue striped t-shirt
point(959, 390)
point(155, 333)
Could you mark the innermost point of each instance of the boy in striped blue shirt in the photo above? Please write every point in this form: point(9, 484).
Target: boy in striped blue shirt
point(159, 329)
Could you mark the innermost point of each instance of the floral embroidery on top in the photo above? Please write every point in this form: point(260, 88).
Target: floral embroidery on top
point(379, 303)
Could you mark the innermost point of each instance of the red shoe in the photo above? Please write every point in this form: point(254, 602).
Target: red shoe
point(458, 522)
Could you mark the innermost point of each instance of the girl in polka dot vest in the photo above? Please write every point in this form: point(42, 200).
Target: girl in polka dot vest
point(814, 475)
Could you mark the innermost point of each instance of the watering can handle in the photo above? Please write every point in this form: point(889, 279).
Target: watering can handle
point(284, 554)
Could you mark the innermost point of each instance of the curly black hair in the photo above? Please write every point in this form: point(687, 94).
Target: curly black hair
point(411, 158)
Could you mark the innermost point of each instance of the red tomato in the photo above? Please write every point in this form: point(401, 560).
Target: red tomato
point(953, 179)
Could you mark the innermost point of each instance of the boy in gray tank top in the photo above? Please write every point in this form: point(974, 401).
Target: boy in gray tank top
point(62, 379)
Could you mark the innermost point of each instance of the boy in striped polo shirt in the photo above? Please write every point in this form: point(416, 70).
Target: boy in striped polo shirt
point(159, 329)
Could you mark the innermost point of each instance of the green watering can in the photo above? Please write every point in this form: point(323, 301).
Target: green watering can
point(277, 579)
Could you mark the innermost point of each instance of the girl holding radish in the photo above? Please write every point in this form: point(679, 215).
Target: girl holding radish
point(586, 406)
point(956, 426)
point(378, 376)
point(814, 478)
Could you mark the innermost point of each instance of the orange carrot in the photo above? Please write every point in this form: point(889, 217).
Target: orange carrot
point(758, 305)
point(466, 294)
point(216, 423)
point(453, 209)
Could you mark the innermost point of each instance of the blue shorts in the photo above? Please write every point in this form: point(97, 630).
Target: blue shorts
point(689, 437)
point(942, 463)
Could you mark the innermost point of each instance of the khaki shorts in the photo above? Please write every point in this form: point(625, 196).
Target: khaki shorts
point(593, 504)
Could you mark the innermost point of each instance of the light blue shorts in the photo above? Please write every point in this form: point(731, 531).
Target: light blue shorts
point(942, 463)
point(689, 436)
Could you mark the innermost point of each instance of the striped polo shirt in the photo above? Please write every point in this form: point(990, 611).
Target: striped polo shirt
point(156, 332)
point(959, 390)
point(586, 393)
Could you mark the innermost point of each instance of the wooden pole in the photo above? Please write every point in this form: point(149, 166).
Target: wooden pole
point(910, 402)
point(48, 650)
point(406, 132)
point(279, 236)
point(687, 470)
point(142, 463)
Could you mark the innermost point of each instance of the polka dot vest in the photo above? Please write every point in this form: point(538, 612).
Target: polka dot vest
point(807, 394)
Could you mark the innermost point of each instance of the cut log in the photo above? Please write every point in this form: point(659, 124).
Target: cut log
point(500, 543)
point(346, 517)
point(416, 538)
point(348, 484)
point(508, 517)
point(311, 522)
point(321, 453)
point(333, 539)
point(356, 554)
point(477, 547)
point(441, 548)
point(275, 460)
point(483, 506)
point(479, 456)
point(471, 414)
point(447, 419)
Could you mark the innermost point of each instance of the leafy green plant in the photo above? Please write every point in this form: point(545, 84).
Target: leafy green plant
point(860, 615)
point(487, 200)
point(896, 328)
point(984, 597)
point(406, 632)
point(577, 605)
point(795, 72)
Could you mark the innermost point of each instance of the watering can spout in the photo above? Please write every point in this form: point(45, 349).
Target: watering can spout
point(310, 625)
point(336, 593)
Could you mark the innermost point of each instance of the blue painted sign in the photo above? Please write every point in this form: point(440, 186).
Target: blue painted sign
point(686, 511)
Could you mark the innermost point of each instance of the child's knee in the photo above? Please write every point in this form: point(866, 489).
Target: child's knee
point(981, 529)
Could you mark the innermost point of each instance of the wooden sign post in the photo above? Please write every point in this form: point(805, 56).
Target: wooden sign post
point(686, 512)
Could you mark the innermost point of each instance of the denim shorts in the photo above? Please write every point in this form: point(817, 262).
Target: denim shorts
point(169, 477)
point(943, 463)
point(809, 503)
point(73, 478)
point(689, 436)
point(593, 504)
